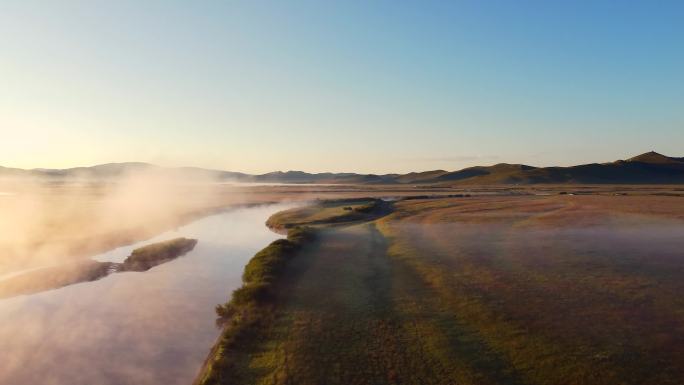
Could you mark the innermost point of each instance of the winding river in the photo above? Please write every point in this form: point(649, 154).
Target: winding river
point(154, 327)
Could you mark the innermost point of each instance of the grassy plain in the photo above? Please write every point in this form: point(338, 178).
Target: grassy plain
point(545, 289)
point(330, 212)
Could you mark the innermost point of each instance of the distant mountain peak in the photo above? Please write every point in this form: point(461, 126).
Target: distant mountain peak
point(652, 157)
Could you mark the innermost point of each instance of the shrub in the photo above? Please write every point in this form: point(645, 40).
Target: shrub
point(263, 269)
point(225, 310)
point(251, 293)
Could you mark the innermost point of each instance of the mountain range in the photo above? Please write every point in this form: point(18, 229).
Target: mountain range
point(647, 168)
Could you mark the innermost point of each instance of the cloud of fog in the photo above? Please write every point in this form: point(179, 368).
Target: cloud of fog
point(45, 221)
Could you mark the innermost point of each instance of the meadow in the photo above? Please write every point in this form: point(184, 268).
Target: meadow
point(553, 289)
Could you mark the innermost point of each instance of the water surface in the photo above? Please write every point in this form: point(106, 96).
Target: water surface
point(154, 327)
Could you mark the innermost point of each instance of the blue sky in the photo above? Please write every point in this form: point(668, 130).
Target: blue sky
point(368, 86)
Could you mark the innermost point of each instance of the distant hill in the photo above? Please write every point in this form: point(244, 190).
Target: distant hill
point(419, 177)
point(108, 170)
point(498, 173)
point(643, 169)
point(647, 168)
point(655, 158)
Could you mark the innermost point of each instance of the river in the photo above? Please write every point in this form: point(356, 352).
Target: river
point(154, 327)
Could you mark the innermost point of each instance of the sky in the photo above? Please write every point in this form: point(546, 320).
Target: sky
point(366, 86)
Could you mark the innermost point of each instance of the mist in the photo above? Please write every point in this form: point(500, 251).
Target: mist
point(48, 221)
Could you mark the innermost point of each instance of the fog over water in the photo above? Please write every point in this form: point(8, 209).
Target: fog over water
point(154, 327)
point(47, 221)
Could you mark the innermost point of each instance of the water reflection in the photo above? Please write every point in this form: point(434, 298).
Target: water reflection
point(143, 328)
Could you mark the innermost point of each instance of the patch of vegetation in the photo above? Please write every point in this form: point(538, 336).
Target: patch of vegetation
point(54, 277)
point(331, 212)
point(141, 259)
point(146, 257)
point(250, 309)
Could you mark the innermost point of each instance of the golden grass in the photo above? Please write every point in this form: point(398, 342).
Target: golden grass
point(484, 290)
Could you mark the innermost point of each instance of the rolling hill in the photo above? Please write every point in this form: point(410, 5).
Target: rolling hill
point(647, 168)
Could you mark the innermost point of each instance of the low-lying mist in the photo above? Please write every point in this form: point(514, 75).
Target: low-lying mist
point(44, 221)
point(143, 328)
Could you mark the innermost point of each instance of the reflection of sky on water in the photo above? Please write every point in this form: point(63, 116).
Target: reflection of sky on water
point(154, 327)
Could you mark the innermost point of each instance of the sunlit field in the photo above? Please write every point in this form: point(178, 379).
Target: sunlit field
point(558, 289)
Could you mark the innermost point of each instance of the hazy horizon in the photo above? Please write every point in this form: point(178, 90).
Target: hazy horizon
point(380, 87)
point(312, 172)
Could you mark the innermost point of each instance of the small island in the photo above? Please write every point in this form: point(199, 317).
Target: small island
point(147, 257)
point(54, 277)
point(48, 278)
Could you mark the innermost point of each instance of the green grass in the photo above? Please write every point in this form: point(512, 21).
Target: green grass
point(332, 212)
point(146, 257)
point(250, 310)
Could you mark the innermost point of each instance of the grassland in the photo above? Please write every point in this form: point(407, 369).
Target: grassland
point(325, 213)
point(558, 289)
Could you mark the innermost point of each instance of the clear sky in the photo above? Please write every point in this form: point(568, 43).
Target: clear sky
point(367, 86)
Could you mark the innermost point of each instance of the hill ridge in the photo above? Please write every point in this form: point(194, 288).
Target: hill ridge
point(649, 167)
